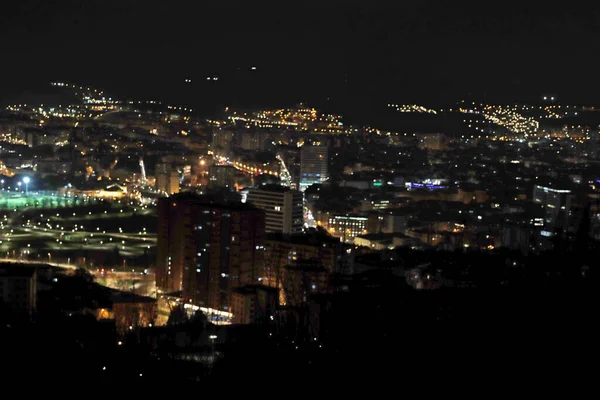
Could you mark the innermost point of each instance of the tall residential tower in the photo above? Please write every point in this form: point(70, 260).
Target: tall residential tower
point(314, 162)
point(207, 248)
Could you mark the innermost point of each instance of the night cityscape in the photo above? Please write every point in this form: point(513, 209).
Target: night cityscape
point(223, 198)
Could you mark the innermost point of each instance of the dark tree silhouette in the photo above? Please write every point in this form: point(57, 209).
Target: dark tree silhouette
point(177, 316)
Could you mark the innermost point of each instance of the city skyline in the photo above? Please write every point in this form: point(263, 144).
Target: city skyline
point(220, 195)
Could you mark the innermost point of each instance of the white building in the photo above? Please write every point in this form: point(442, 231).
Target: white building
point(283, 208)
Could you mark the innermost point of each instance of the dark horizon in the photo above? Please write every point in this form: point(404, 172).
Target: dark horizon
point(349, 58)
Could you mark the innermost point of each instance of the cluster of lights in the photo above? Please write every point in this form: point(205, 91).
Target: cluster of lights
point(7, 137)
point(179, 108)
point(412, 108)
point(261, 123)
point(90, 96)
point(75, 87)
point(254, 169)
point(296, 118)
point(511, 120)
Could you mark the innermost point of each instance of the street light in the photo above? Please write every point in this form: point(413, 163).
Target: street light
point(26, 180)
point(2, 181)
point(19, 185)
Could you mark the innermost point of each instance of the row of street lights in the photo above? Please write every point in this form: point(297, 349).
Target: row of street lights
point(25, 180)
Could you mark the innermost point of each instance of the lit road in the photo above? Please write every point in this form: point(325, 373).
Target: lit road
point(29, 262)
point(139, 283)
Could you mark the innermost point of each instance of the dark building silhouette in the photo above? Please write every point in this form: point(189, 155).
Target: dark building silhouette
point(206, 248)
point(222, 176)
point(18, 288)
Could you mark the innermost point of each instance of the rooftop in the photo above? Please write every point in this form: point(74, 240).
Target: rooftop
point(272, 188)
point(382, 236)
point(312, 237)
point(16, 270)
point(208, 200)
point(117, 296)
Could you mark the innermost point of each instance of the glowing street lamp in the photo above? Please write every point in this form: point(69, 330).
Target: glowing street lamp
point(26, 180)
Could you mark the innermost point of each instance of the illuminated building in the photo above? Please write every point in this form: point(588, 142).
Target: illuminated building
point(128, 310)
point(283, 208)
point(167, 179)
point(381, 241)
point(314, 162)
point(557, 208)
point(206, 248)
point(6, 171)
point(111, 192)
point(347, 227)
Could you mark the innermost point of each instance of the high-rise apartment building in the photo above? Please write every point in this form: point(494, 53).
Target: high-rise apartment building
point(221, 141)
point(167, 179)
point(300, 259)
point(18, 285)
point(283, 208)
point(207, 248)
point(314, 162)
point(222, 176)
point(557, 208)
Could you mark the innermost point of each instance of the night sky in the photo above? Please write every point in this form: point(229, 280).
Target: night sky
point(347, 56)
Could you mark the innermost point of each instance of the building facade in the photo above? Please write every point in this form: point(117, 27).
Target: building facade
point(222, 176)
point(167, 179)
point(293, 262)
point(314, 165)
point(347, 226)
point(207, 248)
point(254, 304)
point(18, 286)
point(284, 212)
point(557, 208)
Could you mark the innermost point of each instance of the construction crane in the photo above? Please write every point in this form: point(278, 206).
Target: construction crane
point(143, 169)
point(112, 165)
point(285, 176)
